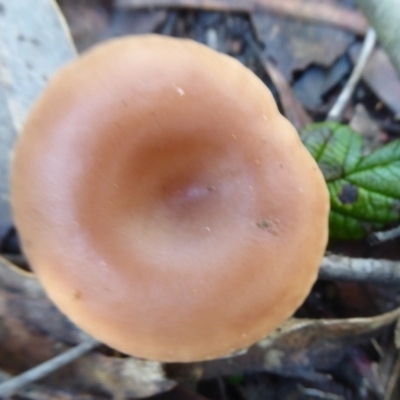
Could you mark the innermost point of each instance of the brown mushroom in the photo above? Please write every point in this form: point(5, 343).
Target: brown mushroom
point(164, 203)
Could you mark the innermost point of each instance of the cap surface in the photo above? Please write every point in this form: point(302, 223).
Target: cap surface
point(164, 203)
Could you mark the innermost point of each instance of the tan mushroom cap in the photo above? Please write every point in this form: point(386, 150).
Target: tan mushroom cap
point(164, 203)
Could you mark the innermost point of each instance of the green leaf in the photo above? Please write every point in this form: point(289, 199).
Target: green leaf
point(364, 189)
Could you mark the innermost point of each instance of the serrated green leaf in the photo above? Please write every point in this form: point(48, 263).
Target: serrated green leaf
point(364, 189)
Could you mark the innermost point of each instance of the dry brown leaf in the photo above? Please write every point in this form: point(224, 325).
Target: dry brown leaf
point(128, 22)
point(87, 21)
point(298, 348)
point(309, 10)
point(90, 21)
point(32, 330)
point(267, 388)
point(381, 77)
point(316, 82)
point(294, 45)
point(120, 378)
point(364, 124)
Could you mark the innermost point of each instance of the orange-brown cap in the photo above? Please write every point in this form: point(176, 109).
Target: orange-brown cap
point(164, 203)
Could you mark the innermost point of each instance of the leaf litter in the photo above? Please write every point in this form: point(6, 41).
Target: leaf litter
point(29, 315)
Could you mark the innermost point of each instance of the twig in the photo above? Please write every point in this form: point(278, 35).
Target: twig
point(318, 394)
point(394, 378)
point(338, 268)
point(311, 10)
point(294, 111)
point(11, 386)
point(335, 114)
point(170, 23)
point(379, 237)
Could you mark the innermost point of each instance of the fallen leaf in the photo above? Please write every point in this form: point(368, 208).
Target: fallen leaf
point(87, 21)
point(299, 348)
point(294, 45)
point(269, 387)
point(32, 331)
point(7, 140)
point(91, 22)
point(34, 42)
point(126, 22)
point(317, 81)
point(380, 75)
point(366, 126)
point(310, 10)
point(119, 378)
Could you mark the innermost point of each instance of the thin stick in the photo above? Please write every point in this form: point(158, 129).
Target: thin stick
point(338, 268)
point(293, 109)
point(11, 386)
point(335, 114)
point(394, 377)
point(379, 237)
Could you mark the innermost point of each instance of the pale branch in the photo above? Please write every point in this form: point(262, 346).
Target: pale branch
point(335, 114)
point(384, 236)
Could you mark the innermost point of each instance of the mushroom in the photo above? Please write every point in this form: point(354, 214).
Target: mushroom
point(164, 203)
